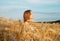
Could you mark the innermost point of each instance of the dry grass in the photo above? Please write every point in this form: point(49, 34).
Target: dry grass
point(15, 31)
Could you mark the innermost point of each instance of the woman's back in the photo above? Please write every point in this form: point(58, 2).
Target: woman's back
point(29, 32)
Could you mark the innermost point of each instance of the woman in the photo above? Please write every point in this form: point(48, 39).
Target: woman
point(27, 15)
point(28, 32)
point(28, 19)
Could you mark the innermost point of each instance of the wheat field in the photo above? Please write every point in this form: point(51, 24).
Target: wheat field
point(14, 31)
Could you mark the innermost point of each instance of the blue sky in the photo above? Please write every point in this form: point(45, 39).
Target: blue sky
point(43, 10)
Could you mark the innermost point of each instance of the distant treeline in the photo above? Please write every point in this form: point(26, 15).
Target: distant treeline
point(58, 21)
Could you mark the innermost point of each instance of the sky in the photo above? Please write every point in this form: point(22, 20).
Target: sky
point(42, 10)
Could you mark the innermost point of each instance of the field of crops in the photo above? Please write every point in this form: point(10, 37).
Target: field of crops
point(18, 31)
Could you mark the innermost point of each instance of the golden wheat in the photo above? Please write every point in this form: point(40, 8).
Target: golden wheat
point(15, 31)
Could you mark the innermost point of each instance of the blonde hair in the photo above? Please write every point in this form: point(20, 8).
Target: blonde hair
point(27, 15)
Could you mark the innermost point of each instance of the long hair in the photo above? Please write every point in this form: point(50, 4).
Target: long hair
point(26, 15)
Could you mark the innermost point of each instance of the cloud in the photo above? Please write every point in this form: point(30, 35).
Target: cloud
point(6, 8)
point(12, 4)
point(20, 4)
point(43, 1)
point(46, 10)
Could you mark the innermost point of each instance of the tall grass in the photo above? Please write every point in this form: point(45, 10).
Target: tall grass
point(18, 31)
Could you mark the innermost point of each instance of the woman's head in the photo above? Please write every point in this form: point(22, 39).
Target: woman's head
point(27, 15)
